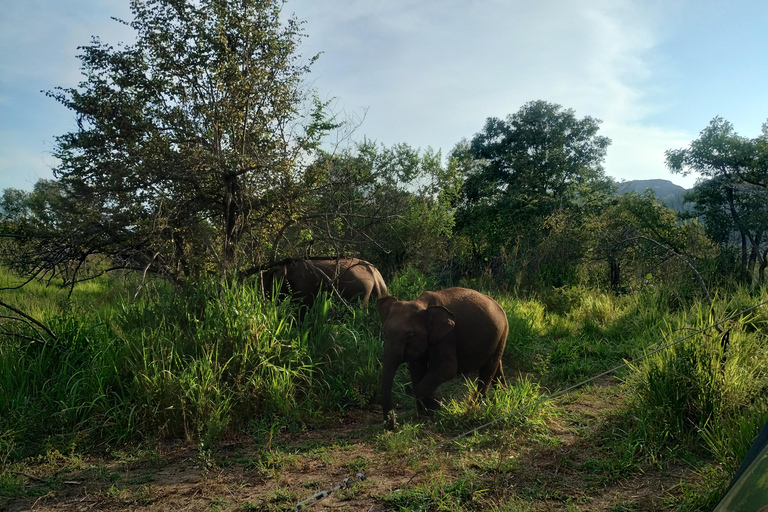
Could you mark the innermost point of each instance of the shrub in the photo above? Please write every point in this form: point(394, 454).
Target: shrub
point(706, 392)
point(194, 363)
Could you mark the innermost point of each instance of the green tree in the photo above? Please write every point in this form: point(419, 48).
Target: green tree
point(390, 205)
point(634, 236)
point(731, 199)
point(39, 229)
point(521, 172)
point(735, 214)
point(191, 144)
point(14, 205)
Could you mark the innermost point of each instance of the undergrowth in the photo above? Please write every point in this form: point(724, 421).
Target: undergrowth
point(218, 358)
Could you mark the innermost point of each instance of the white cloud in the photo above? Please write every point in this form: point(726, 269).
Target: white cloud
point(38, 44)
point(21, 167)
point(431, 72)
point(637, 152)
point(39, 38)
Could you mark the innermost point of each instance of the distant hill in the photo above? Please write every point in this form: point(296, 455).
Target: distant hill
point(668, 194)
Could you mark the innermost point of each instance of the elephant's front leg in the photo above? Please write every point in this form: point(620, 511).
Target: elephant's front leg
point(418, 369)
point(438, 372)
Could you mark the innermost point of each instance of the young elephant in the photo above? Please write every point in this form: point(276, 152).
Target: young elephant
point(440, 335)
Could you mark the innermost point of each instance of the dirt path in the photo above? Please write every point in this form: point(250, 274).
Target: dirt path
point(569, 471)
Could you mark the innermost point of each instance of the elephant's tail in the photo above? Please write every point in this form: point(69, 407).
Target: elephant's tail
point(379, 286)
point(498, 377)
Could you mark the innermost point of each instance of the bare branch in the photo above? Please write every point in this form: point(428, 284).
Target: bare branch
point(29, 319)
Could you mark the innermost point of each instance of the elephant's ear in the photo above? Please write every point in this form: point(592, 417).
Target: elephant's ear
point(384, 305)
point(440, 321)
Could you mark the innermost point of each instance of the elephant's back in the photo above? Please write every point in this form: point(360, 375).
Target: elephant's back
point(468, 302)
point(353, 277)
point(481, 326)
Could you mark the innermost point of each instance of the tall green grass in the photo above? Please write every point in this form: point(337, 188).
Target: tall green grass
point(707, 393)
point(574, 334)
point(513, 407)
point(216, 358)
point(195, 364)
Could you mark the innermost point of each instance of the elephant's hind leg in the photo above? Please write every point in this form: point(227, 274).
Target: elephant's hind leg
point(488, 375)
point(418, 369)
point(499, 379)
point(436, 375)
point(491, 373)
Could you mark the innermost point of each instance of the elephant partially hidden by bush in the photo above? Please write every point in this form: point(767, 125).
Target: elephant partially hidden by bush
point(440, 335)
point(348, 278)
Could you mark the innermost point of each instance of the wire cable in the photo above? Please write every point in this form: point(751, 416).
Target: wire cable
point(317, 497)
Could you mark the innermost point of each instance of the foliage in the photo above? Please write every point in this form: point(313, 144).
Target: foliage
point(731, 198)
point(13, 205)
point(706, 392)
point(193, 365)
point(437, 494)
point(389, 205)
point(522, 170)
point(197, 157)
point(512, 407)
point(218, 359)
point(191, 144)
point(640, 241)
point(720, 151)
point(410, 283)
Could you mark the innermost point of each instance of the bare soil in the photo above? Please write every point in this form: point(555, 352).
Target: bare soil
point(252, 473)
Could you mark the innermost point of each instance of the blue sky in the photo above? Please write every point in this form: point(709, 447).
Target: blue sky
point(430, 72)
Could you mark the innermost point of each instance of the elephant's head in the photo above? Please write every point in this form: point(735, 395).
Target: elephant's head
point(410, 328)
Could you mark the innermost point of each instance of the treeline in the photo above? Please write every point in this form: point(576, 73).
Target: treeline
point(200, 151)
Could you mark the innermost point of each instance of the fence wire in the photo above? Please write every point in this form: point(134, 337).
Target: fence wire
point(347, 482)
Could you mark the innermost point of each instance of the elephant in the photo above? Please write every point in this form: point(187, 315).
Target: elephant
point(440, 335)
point(349, 278)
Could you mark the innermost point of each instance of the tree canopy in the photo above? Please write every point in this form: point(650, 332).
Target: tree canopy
point(199, 150)
point(731, 197)
point(192, 144)
point(522, 170)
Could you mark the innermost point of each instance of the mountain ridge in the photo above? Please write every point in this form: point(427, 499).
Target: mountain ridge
point(668, 194)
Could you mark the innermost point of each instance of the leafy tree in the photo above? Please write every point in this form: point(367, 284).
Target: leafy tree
point(391, 205)
point(191, 144)
point(735, 213)
point(719, 151)
point(14, 205)
point(731, 199)
point(538, 163)
point(635, 235)
point(42, 229)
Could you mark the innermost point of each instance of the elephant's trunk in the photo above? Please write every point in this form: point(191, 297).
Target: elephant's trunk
point(392, 360)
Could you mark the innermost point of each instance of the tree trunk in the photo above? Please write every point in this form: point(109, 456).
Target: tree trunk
point(615, 273)
point(744, 259)
point(756, 242)
point(232, 214)
point(737, 222)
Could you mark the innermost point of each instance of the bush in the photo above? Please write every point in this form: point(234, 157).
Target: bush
point(194, 364)
point(706, 392)
point(408, 284)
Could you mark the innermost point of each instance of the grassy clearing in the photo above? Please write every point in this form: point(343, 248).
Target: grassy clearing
point(218, 361)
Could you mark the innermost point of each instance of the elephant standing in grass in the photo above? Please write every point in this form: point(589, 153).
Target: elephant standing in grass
point(440, 335)
point(348, 278)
